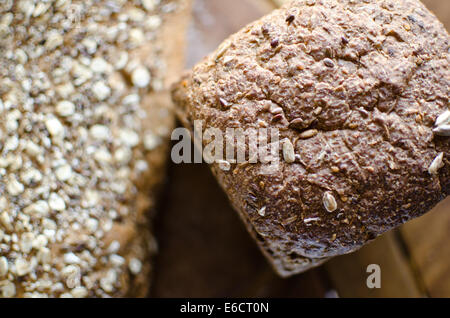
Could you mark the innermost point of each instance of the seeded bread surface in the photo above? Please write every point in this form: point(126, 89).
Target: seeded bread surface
point(360, 93)
point(83, 142)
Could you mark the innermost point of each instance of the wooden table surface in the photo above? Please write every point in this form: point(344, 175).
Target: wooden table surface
point(205, 251)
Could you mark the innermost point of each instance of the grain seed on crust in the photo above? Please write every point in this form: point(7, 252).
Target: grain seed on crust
point(224, 165)
point(437, 164)
point(443, 119)
point(222, 50)
point(442, 125)
point(71, 149)
point(262, 211)
point(443, 130)
point(329, 202)
point(141, 77)
point(288, 151)
point(310, 220)
point(309, 134)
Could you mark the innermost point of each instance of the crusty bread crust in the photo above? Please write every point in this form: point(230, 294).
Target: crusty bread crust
point(83, 142)
point(358, 87)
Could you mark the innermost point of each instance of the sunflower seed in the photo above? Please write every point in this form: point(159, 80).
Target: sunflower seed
point(329, 202)
point(262, 211)
point(443, 130)
point(442, 125)
point(288, 151)
point(443, 119)
point(437, 164)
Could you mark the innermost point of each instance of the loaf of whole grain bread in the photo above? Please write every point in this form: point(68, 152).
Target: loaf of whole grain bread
point(83, 140)
point(359, 91)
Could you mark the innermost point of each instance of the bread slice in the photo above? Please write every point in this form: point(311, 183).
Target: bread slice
point(359, 91)
point(84, 137)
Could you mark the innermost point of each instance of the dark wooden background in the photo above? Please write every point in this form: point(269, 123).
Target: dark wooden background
point(204, 250)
